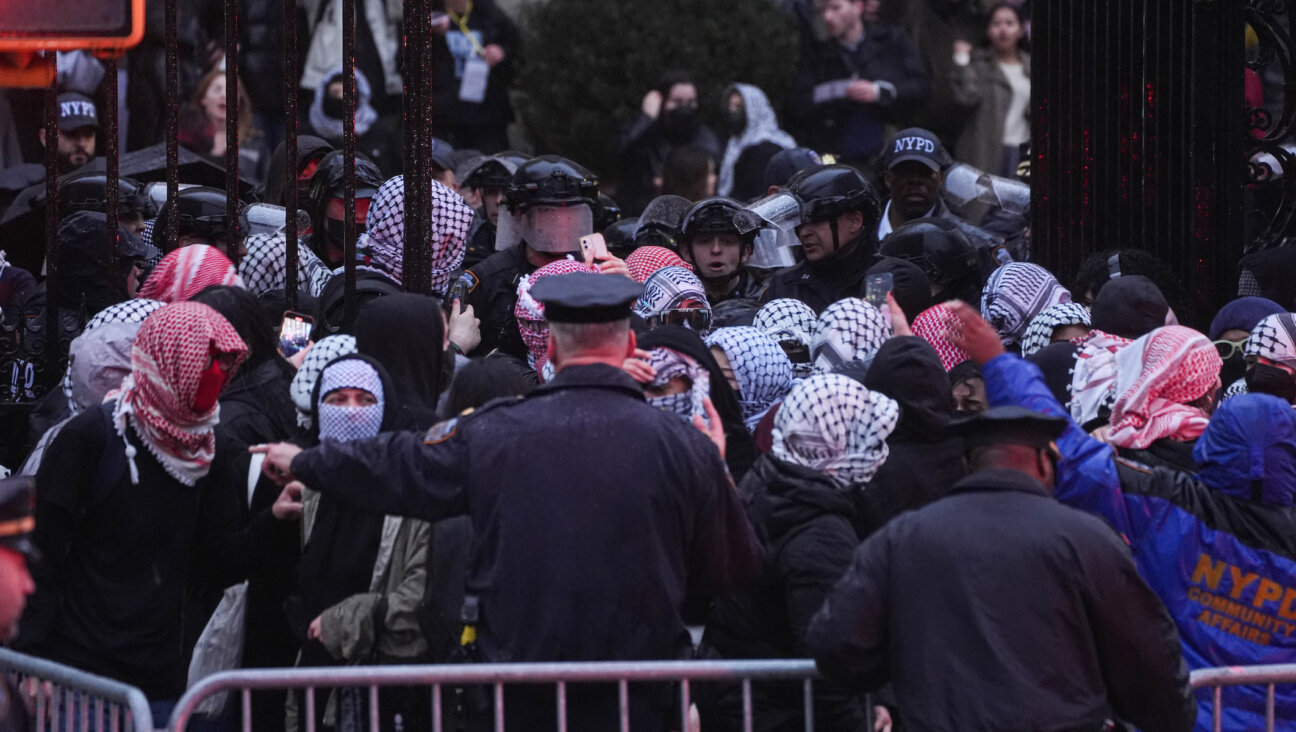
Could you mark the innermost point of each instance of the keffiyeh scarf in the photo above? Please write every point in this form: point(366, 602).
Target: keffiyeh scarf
point(172, 350)
point(129, 311)
point(833, 424)
point(1156, 376)
point(345, 424)
point(645, 261)
point(1093, 380)
point(1015, 294)
point(529, 312)
point(786, 319)
point(762, 126)
point(302, 388)
point(1274, 338)
point(265, 266)
point(849, 330)
point(1040, 331)
point(760, 365)
point(671, 364)
point(933, 325)
point(668, 289)
point(382, 245)
point(187, 271)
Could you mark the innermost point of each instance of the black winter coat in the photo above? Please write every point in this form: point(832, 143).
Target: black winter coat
point(923, 462)
point(492, 291)
point(804, 520)
point(999, 608)
point(820, 284)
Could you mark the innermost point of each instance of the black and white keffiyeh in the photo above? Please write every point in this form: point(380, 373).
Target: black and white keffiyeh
point(382, 245)
point(265, 266)
point(1274, 338)
point(669, 365)
point(319, 356)
point(1040, 331)
point(848, 330)
point(835, 425)
point(1015, 294)
point(787, 320)
point(762, 126)
point(762, 368)
point(670, 288)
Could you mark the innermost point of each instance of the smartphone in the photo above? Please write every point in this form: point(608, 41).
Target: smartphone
point(294, 333)
point(593, 248)
point(877, 287)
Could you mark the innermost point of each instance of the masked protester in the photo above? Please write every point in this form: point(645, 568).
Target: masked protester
point(1055, 323)
point(1271, 358)
point(320, 355)
point(754, 138)
point(530, 313)
point(327, 208)
point(1015, 294)
point(669, 120)
point(792, 324)
point(849, 330)
point(376, 138)
point(264, 268)
point(362, 574)
point(1231, 327)
point(675, 296)
point(418, 367)
point(647, 260)
point(185, 272)
point(755, 366)
point(124, 504)
point(829, 439)
point(382, 245)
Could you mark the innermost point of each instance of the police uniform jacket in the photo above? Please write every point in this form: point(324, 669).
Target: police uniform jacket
point(999, 608)
point(820, 284)
point(595, 515)
point(492, 291)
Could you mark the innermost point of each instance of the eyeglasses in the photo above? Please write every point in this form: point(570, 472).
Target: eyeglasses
point(1228, 348)
point(697, 320)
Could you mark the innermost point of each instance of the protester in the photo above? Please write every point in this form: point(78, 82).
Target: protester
point(675, 296)
point(1058, 322)
point(754, 138)
point(1271, 358)
point(668, 120)
point(849, 330)
point(382, 245)
point(530, 312)
point(1232, 326)
point(755, 366)
point(202, 126)
point(1015, 294)
point(645, 261)
point(185, 272)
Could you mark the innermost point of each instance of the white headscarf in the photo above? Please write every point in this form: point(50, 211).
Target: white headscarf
point(762, 126)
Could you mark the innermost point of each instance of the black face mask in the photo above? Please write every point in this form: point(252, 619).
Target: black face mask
point(1233, 369)
point(335, 108)
point(333, 230)
point(1265, 379)
point(736, 122)
point(681, 124)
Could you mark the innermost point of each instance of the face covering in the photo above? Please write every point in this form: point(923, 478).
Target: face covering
point(681, 403)
point(681, 124)
point(736, 122)
point(1234, 368)
point(335, 108)
point(1266, 379)
point(333, 229)
point(210, 384)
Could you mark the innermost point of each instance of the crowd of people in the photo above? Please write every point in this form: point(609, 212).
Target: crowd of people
point(790, 394)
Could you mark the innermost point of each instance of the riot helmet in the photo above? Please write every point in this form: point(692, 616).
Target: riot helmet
point(550, 204)
point(201, 212)
point(828, 191)
point(324, 202)
point(659, 223)
point(89, 192)
point(939, 248)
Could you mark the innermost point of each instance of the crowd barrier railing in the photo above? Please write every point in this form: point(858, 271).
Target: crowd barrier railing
point(65, 699)
point(497, 676)
point(1267, 676)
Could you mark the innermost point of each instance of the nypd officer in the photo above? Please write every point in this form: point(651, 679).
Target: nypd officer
point(595, 515)
point(711, 240)
point(839, 213)
point(998, 594)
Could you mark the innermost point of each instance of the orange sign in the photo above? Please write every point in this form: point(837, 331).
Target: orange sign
point(107, 27)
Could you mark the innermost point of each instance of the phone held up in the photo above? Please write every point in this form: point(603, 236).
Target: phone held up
point(593, 248)
point(294, 333)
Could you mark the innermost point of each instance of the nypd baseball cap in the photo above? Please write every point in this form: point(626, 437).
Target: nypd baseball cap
point(76, 111)
point(917, 145)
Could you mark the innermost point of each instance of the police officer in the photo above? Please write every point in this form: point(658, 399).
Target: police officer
point(711, 240)
point(548, 206)
point(590, 531)
point(89, 192)
point(486, 178)
point(839, 212)
point(999, 593)
point(202, 217)
point(944, 254)
point(17, 500)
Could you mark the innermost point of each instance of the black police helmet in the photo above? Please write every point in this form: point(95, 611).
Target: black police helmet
point(550, 180)
point(715, 215)
point(620, 237)
point(89, 192)
point(939, 247)
point(828, 191)
point(330, 179)
point(200, 211)
point(607, 212)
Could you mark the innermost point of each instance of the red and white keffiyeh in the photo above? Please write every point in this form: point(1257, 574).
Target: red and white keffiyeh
point(644, 261)
point(171, 351)
point(529, 312)
point(933, 325)
point(1093, 380)
point(188, 270)
point(1156, 376)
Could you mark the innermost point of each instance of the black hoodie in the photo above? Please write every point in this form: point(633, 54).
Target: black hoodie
point(804, 520)
point(924, 461)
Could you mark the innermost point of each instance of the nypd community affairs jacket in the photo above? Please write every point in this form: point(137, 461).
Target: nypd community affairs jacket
point(1224, 566)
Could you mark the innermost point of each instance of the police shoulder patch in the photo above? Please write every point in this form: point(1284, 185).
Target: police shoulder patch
point(441, 432)
point(468, 281)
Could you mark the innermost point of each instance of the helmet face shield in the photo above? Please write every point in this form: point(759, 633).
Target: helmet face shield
point(550, 229)
point(780, 210)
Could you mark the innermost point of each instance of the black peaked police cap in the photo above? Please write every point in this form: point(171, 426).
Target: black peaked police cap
point(1008, 426)
point(585, 297)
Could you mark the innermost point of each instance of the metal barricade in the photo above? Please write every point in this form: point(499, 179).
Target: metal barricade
point(70, 700)
point(497, 676)
point(1268, 676)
